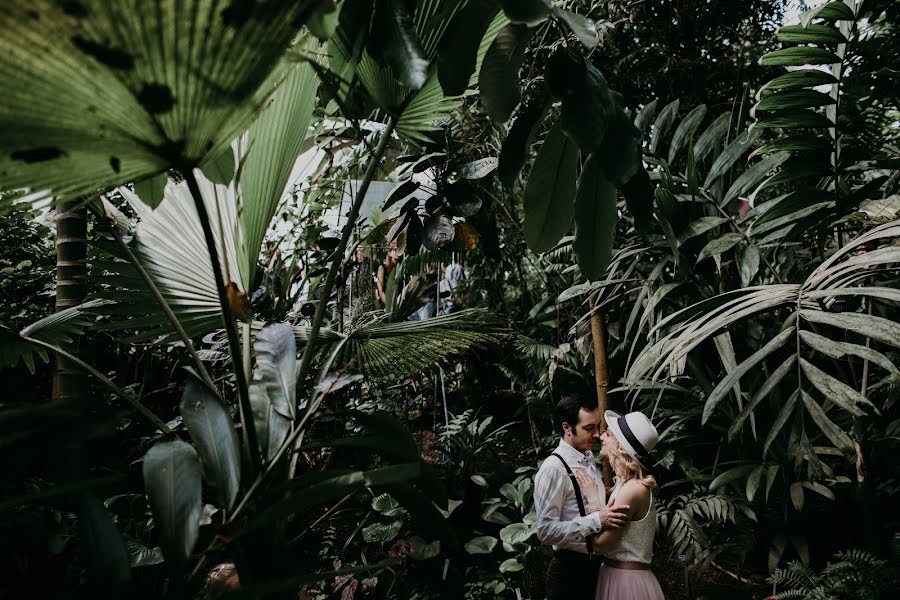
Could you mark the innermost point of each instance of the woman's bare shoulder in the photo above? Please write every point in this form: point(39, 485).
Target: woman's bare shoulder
point(635, 494)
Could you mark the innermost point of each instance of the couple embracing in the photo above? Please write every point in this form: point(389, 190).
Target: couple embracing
point(601, 548)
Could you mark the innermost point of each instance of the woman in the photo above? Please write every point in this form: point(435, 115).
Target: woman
point(627, 551)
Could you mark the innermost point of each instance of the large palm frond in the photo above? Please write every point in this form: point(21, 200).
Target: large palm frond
point(169, 240)
point(100, 93)
point(825, 320)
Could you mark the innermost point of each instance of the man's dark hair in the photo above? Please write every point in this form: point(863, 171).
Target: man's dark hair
point(568, 407)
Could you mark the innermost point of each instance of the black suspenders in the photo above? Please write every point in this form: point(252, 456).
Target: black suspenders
point(581, 510)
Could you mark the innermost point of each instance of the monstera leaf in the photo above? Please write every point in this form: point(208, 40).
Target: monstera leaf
point(103, 93)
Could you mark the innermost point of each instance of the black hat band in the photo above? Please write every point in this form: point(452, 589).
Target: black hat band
point(639, 449)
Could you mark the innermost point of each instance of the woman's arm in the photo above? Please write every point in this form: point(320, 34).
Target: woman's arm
point(633, 494)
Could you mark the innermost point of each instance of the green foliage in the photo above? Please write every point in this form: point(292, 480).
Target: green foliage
point(853, 574)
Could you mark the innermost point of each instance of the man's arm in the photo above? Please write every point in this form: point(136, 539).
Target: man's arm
point(549, 494)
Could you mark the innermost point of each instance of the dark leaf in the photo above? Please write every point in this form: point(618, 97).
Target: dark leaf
point(438, 232)
point(498, 80)
point(527, 12)
point(400, 192)
point(415, 234)
point(549, 194)
point(749, 262)
point(151, 190)
point(477, 169)
point(461, 200)
point(220, 170)
point(794, 99)
point(466, 238)
point(588, 107)
point(811, 34)
point(458, 49)
point(799, 56)
point(620, 153)
point(273, 388)
point(173, 480)
point(518, 140)
point(645, 116)
point(638, 194)
point(595, 221)
point(663, 124)
point(800, 79)
point(212, 430)
point(801, 119)
point(323, 21)
point(104, 551)
point(394, 42)
point(684, 133)
point(581, 27)
point(327, 243)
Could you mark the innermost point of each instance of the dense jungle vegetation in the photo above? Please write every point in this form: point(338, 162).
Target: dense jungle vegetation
point(289, 290)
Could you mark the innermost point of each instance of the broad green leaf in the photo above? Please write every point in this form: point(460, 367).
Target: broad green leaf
point(877, 328)
point(801, 144)
point(458, 49)
point(771, 382)
point(832, 431)
point(273, 388)
point(620, 154)
point(220, 171)
point(771, 472)
point(382, 532)
point(729, 157)
point(783, 415)
point(517, 145)
point(835, 390)
point(212, 431)
point(832, 11)
point(589, 107)
point(595, 221)
point(645, 116)
point(663, 124)
point(819, 489)
point(516, 533)
point(800, 78)
point(811, 34)
point(152, 189)
point(394, 41)
point(387, 505)
point(794, 99)
point(752, 176)
point(749, 263)
point(173, 480)
point(510, 565)
point(498, 80)
point(788, 205)
point(799, 56)
point(483, 544)
point(103, 551)
point(712, 136)
point(477, 169)
point(732, 474)
point(527, 12)
point(140, 555)
point(115, 92)
point(550, 192)
point(686, 130)
point(797, 119)
point(734, 377)
point(836, 349)
point(718, 245)
point(422, 550)
point(581, 27)
point(323, 20)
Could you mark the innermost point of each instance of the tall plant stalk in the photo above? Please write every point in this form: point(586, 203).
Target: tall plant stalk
point(234, 347)
point(601, 374)
point(69, 381)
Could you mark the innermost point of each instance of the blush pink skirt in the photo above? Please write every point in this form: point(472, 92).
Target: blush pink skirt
point(627, 584)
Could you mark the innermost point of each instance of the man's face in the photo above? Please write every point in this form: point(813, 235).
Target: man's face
point(587, 432)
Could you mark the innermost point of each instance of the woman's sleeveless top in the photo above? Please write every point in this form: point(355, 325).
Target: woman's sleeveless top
point(636, 544)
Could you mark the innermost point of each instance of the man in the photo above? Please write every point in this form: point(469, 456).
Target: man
point(564, 520)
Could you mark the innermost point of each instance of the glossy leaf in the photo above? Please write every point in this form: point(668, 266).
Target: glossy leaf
point(749, 263)
point(394, 41)
point(837, 10)
point(645, 116)
point(517, 145)
point(700, 226)
point(212, 431)
point(877, 328)
point(799, 56)
point(527, 12)
point(753, 482)
point(151, 190)
point(800, 78)
point(729, 157)
point(595, 221)
point(832, 431)
point(173, 480)
point(731, 475)
point(752, 176)
point(273, 388)
point(712, 136)
point(794, 99)
point(220, 171)
point(550, 192)
point(589, 108)
point(458, 49)
point(477, 169)
point(498, 80)
point(484, 544)
point(784, 414)
point(799, 119)
point(837, 349)
point(382, 532)
point(801, 144)
point(439, 231)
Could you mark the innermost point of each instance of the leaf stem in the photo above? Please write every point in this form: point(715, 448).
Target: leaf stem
point(121, 393)
point(247, 429)
point(173, 319)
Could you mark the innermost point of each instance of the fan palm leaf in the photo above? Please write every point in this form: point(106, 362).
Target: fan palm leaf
point(103, 93)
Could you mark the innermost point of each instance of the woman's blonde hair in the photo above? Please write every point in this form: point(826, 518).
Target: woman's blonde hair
point(625, 465)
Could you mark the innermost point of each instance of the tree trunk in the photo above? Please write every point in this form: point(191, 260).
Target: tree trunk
point(71, 266)
point(601, 375)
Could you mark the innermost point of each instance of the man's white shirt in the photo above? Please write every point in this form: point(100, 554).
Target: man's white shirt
point(558, 521)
